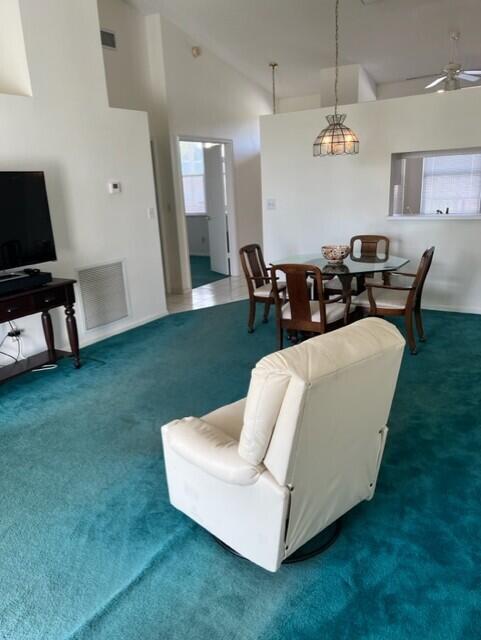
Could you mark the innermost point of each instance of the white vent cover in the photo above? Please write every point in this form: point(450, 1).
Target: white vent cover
point(104, 294)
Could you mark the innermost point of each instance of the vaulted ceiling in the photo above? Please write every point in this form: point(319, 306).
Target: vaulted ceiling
point(392, 39)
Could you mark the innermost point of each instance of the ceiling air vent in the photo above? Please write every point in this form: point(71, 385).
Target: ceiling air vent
point(108, 39)
point(104, 294)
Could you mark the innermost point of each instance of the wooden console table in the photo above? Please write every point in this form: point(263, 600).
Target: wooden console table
point(57, 293)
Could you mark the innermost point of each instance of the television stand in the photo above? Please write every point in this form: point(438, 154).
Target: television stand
point(41, 299)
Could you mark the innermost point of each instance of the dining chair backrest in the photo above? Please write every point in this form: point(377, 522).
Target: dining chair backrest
point(421, 273)
point(299, 279)
point(370, 246)
point(254, 267)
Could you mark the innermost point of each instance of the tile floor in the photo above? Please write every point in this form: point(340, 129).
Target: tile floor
point(209, 295)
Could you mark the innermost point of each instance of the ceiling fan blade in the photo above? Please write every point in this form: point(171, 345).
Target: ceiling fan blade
point(469, 78)
point(473, 72)
point(429, 75)
point(436, 82)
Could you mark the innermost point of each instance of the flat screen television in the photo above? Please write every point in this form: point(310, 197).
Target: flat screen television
point(26, 236)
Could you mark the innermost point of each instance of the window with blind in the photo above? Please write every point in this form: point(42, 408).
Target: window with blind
point(451, 184)
point(192, 161)
point(434, 184)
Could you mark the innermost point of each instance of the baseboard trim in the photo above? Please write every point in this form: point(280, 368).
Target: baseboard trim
point(86, 341)
point(451, 309)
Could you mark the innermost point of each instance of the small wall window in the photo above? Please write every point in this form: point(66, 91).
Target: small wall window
point(434, 184)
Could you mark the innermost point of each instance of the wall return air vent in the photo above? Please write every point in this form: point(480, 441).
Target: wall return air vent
point(108, 39)
point(104, 294)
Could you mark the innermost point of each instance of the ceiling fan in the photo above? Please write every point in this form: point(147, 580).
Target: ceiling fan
point(453, 72)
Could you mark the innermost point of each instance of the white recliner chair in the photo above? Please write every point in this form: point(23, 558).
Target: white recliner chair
point(268, 473)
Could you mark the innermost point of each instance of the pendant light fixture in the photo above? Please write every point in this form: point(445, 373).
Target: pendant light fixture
point(336, 139)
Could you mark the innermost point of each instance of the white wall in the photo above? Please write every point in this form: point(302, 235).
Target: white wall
point(68, 130)
point(135, 78)
point(387, 90)
point(355, 85)
point(298, 103)
point(127, 66)
point(202, 97)
point(14, 76)
point(381, 91)
point(208, 98)
point(413, 185)
point(324, 200)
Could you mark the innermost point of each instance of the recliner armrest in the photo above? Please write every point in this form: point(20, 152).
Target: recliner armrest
point(209, 448)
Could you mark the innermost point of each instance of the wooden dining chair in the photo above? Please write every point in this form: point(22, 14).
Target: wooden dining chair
point(363, 249)
point(259, 282)
point(370, 246)
point(401, 297)
point(301, 313)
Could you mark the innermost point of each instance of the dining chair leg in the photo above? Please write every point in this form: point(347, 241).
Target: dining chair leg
point(266, 312)
point(419, 324)
point(346, 312)
point(280, 337)
point(411, 340)
point(252, 315)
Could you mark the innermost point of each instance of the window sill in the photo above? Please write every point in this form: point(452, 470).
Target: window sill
point(439, 218)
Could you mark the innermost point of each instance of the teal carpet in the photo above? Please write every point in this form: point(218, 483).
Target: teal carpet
point(201, 273)
point(90, 548)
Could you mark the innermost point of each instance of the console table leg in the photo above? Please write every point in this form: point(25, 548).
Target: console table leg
point(72, 333)
point(48, 333)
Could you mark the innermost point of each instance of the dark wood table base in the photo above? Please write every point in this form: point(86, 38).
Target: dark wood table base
point(57, 293)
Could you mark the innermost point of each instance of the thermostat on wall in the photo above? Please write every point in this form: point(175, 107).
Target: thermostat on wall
point(114, 187)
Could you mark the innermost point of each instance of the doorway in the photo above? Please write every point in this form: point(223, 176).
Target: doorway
point(207, 203)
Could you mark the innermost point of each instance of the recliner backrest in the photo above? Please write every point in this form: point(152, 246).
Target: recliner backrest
point(353, 370)
point(283, 383)
point(263, 403)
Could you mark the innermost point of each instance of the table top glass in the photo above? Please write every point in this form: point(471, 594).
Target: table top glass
point(350, 265)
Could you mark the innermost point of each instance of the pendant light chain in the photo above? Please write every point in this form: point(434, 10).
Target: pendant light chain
point(273, 66)
point(336, 139)
point(336, 80)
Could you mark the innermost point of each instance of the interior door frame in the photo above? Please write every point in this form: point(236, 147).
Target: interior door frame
point(232, 253)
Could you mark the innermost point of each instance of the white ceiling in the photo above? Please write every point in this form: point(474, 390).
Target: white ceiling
point(392, 39)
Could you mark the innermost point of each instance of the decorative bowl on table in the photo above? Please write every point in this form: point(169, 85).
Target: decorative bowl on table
point(335, 253)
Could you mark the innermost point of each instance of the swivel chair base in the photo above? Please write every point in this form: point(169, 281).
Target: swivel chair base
point(315, 546)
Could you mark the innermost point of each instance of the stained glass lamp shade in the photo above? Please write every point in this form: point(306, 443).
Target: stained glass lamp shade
point(336, 139)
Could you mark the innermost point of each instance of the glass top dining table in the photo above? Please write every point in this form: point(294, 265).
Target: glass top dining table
point(351, 266)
